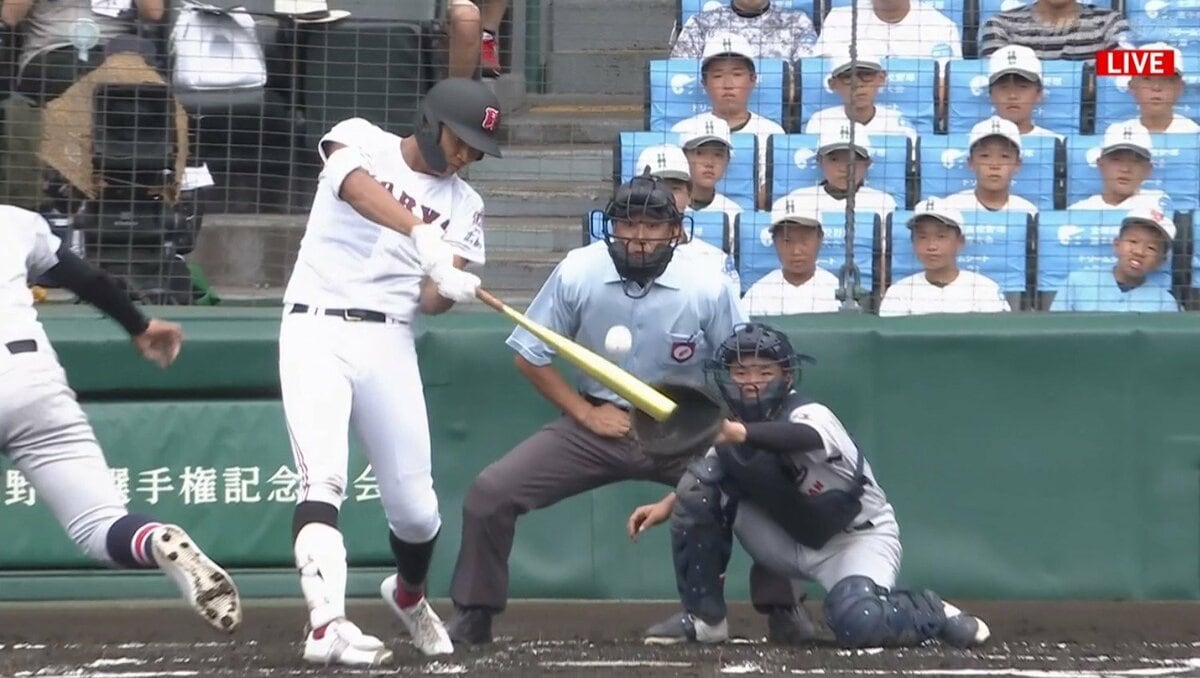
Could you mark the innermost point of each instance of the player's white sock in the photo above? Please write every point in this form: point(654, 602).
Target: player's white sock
point(321, 559)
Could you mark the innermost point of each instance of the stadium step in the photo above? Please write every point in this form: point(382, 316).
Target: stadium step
point(626, 24)
point(584, 163)
point(573, 119)
point(542, 198)
point(518, 273)
point(601, 71)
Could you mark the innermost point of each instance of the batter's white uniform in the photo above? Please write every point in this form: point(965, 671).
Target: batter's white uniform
point(335, 372)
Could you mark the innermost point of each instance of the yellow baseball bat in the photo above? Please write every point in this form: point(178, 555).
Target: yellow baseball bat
point(640, 394)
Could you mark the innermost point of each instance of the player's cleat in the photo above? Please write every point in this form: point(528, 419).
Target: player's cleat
point(470, 626)
point(684, 628)
point(207, 588)
point(423, 624)
point(962, 630)
point(489, 55)
point(790, 625)
point(341, 642)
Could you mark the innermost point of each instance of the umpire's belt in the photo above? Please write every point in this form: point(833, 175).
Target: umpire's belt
point(347, 314)
point(601, 401)
point(22, 346)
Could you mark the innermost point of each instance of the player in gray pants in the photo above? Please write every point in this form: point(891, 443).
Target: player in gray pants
point(46, 436)
point(803, 502)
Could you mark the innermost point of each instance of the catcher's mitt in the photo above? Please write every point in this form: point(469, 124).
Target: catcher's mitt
point(689, 431)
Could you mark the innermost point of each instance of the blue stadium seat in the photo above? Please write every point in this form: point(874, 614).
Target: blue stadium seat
point(1176, 159)
point(1076, 240)
point(792, 164)
point(1164, 21)
point(910, 88)
point(689, 7)
point(741, 179)
point(674, 91)
point(989, 7)
point(1115, 104)
point(997, 247)
point(953, 9)
point(944, 170)
point(756, 251)
point(711, 227)
point(969, 101)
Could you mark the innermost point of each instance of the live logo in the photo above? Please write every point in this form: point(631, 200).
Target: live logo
point(1136, 62)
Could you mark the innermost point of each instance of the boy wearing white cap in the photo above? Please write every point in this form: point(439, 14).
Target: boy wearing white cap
point(1141, 247)
point(1124, 164)
point(995, 157)
point(1156, 98)
point(1015, 87)
point(941, 288)
point(858, 84)
point(728, 75)
point(707, 145)
point(667, 162)
point(837, 156)
point(798, 285)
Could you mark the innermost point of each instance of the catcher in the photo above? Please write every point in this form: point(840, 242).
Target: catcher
point(803, 502)
point(677, 312)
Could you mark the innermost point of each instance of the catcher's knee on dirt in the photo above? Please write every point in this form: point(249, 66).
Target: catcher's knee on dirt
point(701, 543)
point(863, 614)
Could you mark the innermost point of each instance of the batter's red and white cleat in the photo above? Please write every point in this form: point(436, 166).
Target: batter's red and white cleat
point(207, 588)
point(423, 624)
point(341, 642)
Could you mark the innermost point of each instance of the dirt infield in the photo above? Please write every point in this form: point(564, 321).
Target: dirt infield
point(1036, 640)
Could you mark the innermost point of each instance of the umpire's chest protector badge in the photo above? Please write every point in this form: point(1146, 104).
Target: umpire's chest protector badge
point(682, 351)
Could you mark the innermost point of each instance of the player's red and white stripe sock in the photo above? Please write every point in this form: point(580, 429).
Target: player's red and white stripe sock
point(128, 541)
point(406, 596)
point(140, 544)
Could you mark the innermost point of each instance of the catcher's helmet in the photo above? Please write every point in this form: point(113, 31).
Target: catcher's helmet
point(468, 108)
point(650, 199)
point(756, 340)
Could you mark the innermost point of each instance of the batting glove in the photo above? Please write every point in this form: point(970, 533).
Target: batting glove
point(432, 250)
point(453, 283)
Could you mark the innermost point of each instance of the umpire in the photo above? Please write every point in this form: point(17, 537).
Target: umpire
point(678, 312)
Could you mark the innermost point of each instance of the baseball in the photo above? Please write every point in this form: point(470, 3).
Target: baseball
point(619, 340)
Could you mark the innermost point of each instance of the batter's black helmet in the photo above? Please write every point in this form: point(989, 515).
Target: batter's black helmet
point(468, 108)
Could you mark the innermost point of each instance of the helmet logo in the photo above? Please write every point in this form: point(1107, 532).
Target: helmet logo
point(491, 118)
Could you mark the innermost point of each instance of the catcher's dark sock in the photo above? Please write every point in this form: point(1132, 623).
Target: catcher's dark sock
point(412, 568)
point(128, 541)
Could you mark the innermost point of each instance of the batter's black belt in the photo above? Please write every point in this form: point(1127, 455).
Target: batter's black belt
point(347, 314)
point(22, 346)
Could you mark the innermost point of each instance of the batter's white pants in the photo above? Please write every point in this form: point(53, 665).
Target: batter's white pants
point(336, 373)
point(47, 437)
point(874, 552)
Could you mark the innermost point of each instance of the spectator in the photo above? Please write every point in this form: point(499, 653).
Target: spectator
point(727, 72)
point(1124, 164)
point(668, 163)
point(474, 37)
point(1156, 99)
point(1015, 88)
point(706, 143)
point(941, 288)
point(49, 64)
point(838, 157)
point(901, 28)
point(798, 285)
point(995, 157)
point(858, 84)
point(1056, 29)
point(772, 33)
point(1141, 246)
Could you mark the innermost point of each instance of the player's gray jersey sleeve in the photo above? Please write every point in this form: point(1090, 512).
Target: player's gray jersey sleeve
point(43, 250)
point(835, 437)
point(554, 307)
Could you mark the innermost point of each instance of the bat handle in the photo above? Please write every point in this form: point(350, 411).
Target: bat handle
point(489, 299)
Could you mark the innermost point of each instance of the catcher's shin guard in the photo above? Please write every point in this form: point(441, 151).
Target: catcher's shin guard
point(863, 614)
point(701, 545)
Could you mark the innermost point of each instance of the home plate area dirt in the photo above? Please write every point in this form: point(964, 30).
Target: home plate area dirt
point(1035, 640)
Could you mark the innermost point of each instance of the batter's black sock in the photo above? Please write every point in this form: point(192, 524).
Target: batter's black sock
point(412, 566)
point(313, 512)
point(128, 541)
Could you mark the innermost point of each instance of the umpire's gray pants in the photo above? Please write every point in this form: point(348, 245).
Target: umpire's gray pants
point(561, 460)
point(47, 437)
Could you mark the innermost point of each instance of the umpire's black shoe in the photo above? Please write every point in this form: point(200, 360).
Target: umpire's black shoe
point(682, 627)
point(470, 626)
point(790, 625)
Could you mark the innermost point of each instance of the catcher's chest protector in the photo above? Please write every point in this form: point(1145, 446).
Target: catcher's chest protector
point(767, 480)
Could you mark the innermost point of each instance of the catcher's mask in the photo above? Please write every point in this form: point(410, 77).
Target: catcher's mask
point(642, 226)
point(754, 371)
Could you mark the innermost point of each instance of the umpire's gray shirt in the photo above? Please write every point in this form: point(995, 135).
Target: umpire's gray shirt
point(676, 327)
